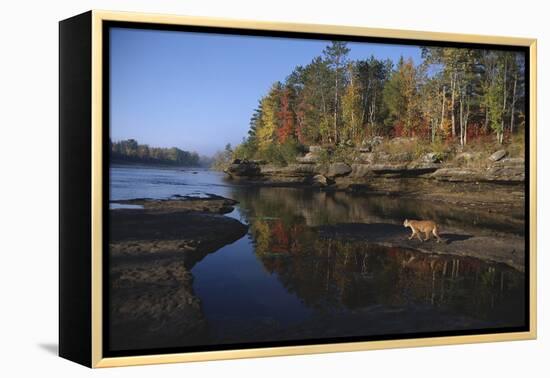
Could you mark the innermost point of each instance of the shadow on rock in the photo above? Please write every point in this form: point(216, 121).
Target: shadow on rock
point(450, 238)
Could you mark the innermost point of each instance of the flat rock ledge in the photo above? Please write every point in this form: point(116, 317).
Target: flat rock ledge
point(502, 171)
point(503, 248)
point(210, 204)
point(151, 253)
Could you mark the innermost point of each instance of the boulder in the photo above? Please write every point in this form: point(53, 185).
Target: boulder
point(431, 157)
point(320, 181)
point(338, 170)
point(243, 168)
point(500, 154)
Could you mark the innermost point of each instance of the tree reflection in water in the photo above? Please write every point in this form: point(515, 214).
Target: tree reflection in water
point(338, 276)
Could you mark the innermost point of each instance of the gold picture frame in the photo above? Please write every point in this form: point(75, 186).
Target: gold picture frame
point(95, 20)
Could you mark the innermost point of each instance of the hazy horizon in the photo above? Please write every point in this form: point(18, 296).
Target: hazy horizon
point(197, 91)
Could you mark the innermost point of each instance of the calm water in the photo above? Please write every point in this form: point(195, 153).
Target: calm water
point(284, 281)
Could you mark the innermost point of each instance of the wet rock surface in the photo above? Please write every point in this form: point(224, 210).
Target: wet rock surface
point(152, 250)
point(210, 204)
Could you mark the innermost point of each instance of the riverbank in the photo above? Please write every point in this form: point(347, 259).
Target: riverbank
point(152, 250)
point(492, 180)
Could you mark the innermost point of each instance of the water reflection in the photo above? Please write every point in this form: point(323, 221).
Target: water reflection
point(319, 208)
point(339, 276)
point(288, 279)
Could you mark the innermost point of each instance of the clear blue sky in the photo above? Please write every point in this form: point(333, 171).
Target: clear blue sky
point(197, 91)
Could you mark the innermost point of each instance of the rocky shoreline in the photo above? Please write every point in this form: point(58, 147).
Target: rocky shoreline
point(469, 178)
point(152, 250)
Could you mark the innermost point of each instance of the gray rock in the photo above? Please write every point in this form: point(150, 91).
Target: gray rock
point(498, 155)
point(243, 168)
point(505, 174)
point(418, 168)
point(431, 157)
point(301, 168)
point(457, 174)
point(389, 168)
point(338, 170)
point(320, 181)
point(309, 158)
point(361, 170)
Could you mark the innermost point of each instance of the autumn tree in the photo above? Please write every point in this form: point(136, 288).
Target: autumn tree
point(336, 57)
point(312, 87)
point(286, 116)
point(401, 97)
point(373, 75)
point(266, 134)
point(352, 107)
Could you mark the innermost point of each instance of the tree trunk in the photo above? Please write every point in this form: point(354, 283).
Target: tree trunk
point(505, 95)
point(353, 133)
point(453, 84)
point(512, 106)
point(443, 109)
point(466, 122)
point(372, 115)
point(336, 105)
point(460, 119)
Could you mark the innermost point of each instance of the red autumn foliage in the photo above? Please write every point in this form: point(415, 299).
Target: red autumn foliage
point(286, 128)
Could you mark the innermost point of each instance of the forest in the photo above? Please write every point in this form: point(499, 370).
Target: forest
point(452, 96)
point(130, 151)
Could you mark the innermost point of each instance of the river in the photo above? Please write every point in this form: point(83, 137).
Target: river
point(285, 281)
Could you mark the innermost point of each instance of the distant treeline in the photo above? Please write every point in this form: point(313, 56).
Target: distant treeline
point(131, 151)
point(451, 95)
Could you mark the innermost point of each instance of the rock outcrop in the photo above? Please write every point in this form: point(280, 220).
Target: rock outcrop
point(243, 169)
point(500, 154)
point(151, 253)
point(338, 170)
point(368, 164)
point(502, 171)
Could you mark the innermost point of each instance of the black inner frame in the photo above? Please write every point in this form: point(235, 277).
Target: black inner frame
point(107, 25)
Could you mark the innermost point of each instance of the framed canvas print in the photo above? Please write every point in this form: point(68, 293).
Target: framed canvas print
point(235, 189)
